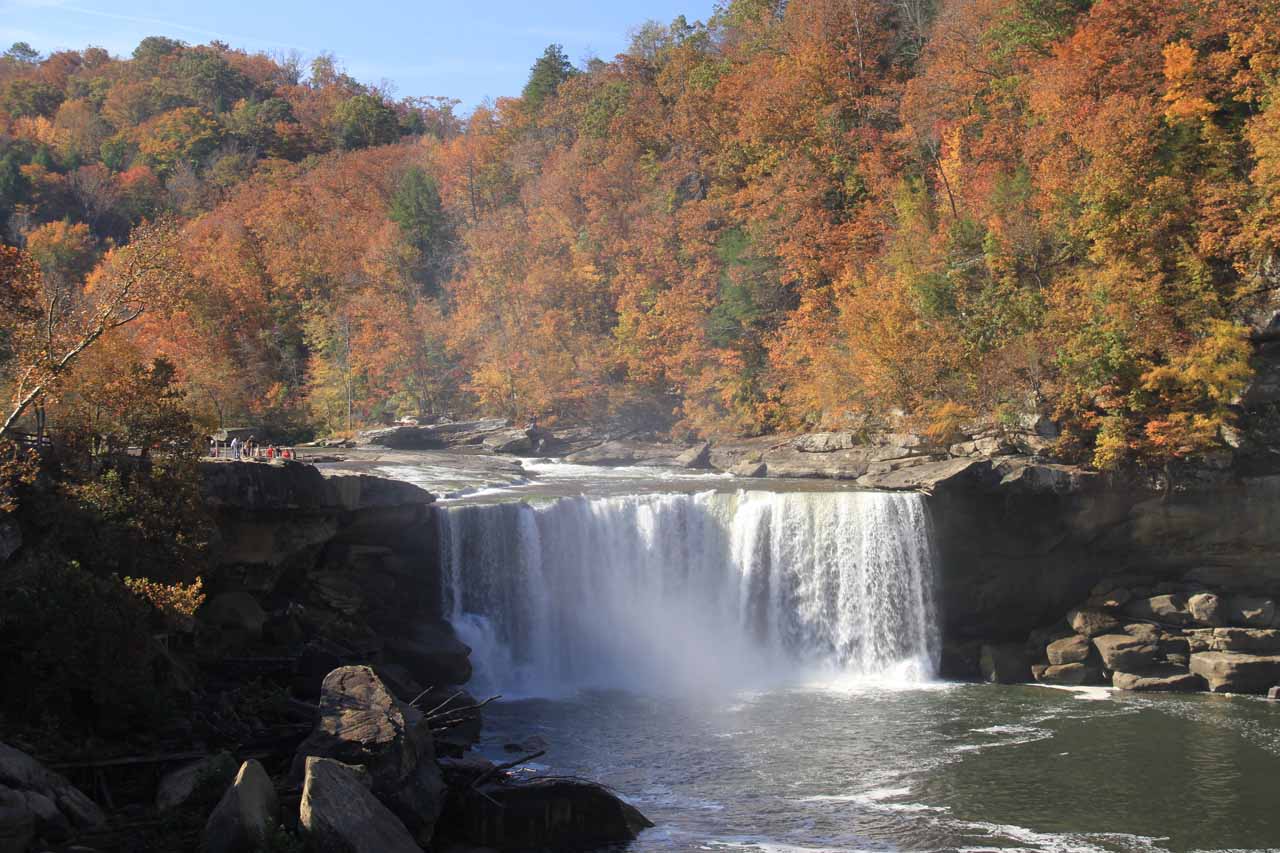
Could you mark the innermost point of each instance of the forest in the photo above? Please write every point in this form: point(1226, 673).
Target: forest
point(854, 214)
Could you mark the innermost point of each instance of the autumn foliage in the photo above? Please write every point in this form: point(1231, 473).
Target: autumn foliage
point(867, 213)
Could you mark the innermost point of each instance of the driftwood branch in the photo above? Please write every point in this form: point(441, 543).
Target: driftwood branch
point(432, 715)
point(507, 765)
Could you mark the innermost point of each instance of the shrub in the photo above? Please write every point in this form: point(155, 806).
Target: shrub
point(177, 602)
point(78, 650)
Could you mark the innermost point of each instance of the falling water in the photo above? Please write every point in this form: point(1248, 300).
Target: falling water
point(706, 590)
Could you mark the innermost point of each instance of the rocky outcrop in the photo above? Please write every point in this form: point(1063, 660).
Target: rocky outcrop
point(242, 818)
point(362, 723)
point(36, 803)
point(1178, 642)
point(433, 436)
point(1237, 672)
point(339, 814)
point(628, 452)
point(1159, 679)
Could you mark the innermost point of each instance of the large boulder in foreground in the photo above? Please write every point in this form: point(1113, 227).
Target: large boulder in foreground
point(545, 814)
point(362, 723)
point(339, 814)
point(244, 815)
point(1235, 672)
point(35, 802)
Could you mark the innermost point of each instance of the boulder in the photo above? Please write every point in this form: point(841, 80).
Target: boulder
point(1199, 639)
point(1166, 609)
point(836, 465)
point(361, 722)
point(1072, 674)
point(1124, 652)
point(625, 453)
point(1158, 679)
point(432, 436)
point(52, 805)
point(1257, 640)
point(749, 469)
point(950, 474)
point(240, 821)
point(515, 442)
point(339, 814)
point(1207, 609)
point(697, 456)
point(1143, 631)
point(825, 442)
point(1073, 649)
point(546, 814)
point(1247, 611)
point(1005, 664)
point(1090, 621)
point(177, 786)
point(1236, 672)
point(17, 822)
point(1274, 693)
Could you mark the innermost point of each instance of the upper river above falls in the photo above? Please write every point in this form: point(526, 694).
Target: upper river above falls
point(752, 666)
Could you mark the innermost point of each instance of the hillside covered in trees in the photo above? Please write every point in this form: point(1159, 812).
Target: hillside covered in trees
point(852, 213)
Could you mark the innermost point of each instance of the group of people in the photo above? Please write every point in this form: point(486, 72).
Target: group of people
point(248, 449)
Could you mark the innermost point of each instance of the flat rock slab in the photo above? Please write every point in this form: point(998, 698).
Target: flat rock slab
point(1072, 674)
point(1237, 672)
point(1073, 649)
point(1125, 652)
point(1091, 621)
point(1168, 609)
point(1158, 680)
point(1256, 640)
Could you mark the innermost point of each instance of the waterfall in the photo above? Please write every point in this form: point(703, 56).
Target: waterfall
point(688, 591)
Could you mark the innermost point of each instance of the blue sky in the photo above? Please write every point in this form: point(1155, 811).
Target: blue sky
point(469, 51)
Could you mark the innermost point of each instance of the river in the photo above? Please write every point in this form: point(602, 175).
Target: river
point(754, 669)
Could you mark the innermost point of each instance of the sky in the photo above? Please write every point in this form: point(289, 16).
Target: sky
point(465, 50)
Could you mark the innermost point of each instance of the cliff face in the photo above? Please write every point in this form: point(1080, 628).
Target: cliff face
point(1020, 543)
point(343, 566)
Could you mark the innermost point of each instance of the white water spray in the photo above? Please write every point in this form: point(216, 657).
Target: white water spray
point(685, 591)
